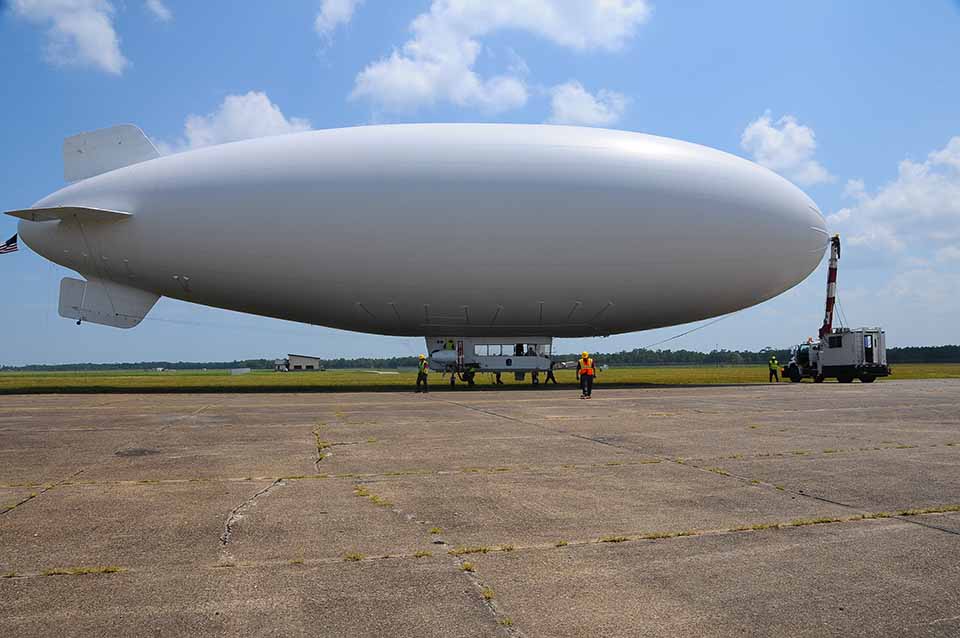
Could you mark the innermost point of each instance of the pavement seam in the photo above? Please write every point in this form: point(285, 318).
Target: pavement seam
point(827, 452)
point(357, 475)
point(682, 463)
point(487, 596)
point(68, 481)
point(633, 537)
point(799, 492)
point(575, 435)
point(46, 488)
point(461, 556)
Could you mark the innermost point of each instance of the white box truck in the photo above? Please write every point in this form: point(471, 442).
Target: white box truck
point(845, 354)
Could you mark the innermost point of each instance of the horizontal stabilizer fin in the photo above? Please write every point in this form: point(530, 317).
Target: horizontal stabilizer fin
point(81, 213)
point(104, 302)
point(107, 149)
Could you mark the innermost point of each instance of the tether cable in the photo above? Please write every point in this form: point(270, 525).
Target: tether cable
point(685, 333)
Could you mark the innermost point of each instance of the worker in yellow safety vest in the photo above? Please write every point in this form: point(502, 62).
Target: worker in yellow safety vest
point(774, 369)
point(585, 373)
point(423, 368)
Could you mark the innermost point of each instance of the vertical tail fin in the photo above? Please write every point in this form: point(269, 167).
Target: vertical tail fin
point(107, 149)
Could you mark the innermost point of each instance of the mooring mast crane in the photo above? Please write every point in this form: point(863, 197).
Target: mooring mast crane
point(827, 326)
point(843, 353)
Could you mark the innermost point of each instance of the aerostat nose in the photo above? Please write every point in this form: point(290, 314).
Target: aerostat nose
point(39, 236)
point(819, 236)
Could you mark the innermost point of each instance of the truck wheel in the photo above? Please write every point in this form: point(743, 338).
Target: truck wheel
point(794, 373)
point(844, 379)
point(818, 378)
point(867, 378)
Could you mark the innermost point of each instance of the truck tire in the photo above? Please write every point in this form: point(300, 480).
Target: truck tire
point(867, 378)
point(818, 378)
point(793, 372)
point(844, 379)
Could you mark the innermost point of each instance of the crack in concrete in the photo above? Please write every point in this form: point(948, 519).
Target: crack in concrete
point(320, 445)
point(937, 621)
point(236, 514)
point(504, 622)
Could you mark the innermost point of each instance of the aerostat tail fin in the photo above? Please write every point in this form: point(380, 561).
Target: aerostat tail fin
point(107, 149)
point(104, 302)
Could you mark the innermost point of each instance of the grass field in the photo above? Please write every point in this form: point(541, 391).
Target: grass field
point(366, 380)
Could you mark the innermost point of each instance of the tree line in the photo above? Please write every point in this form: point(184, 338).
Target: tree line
point(636, 357)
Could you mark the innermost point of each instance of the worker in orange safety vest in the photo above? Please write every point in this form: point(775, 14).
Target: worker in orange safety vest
point(586, 371)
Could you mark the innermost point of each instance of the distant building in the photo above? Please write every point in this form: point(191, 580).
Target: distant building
point(299, 362)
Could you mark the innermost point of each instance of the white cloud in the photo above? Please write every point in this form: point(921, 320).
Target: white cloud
point(516, 66)
point(334, 13)
point(572, 104)
point(948, 254)
point(159, 10)
point(239, 117)
point(855, 189)
point(79, 32)
point(785, 146)
point(919, 211)
point(949, 155)
point(437, 63)
point(925, 288)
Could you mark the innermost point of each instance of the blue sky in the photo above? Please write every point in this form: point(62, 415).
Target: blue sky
point(855, 101)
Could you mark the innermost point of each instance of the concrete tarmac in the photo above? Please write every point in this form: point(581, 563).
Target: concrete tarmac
point(767, 510)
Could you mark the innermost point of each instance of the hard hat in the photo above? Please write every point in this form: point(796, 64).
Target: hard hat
point(585, 354)
point(422, 357)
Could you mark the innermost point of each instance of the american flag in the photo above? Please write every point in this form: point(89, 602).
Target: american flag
point(10, 246)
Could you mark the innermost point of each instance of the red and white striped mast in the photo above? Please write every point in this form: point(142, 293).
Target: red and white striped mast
point(827, 326)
